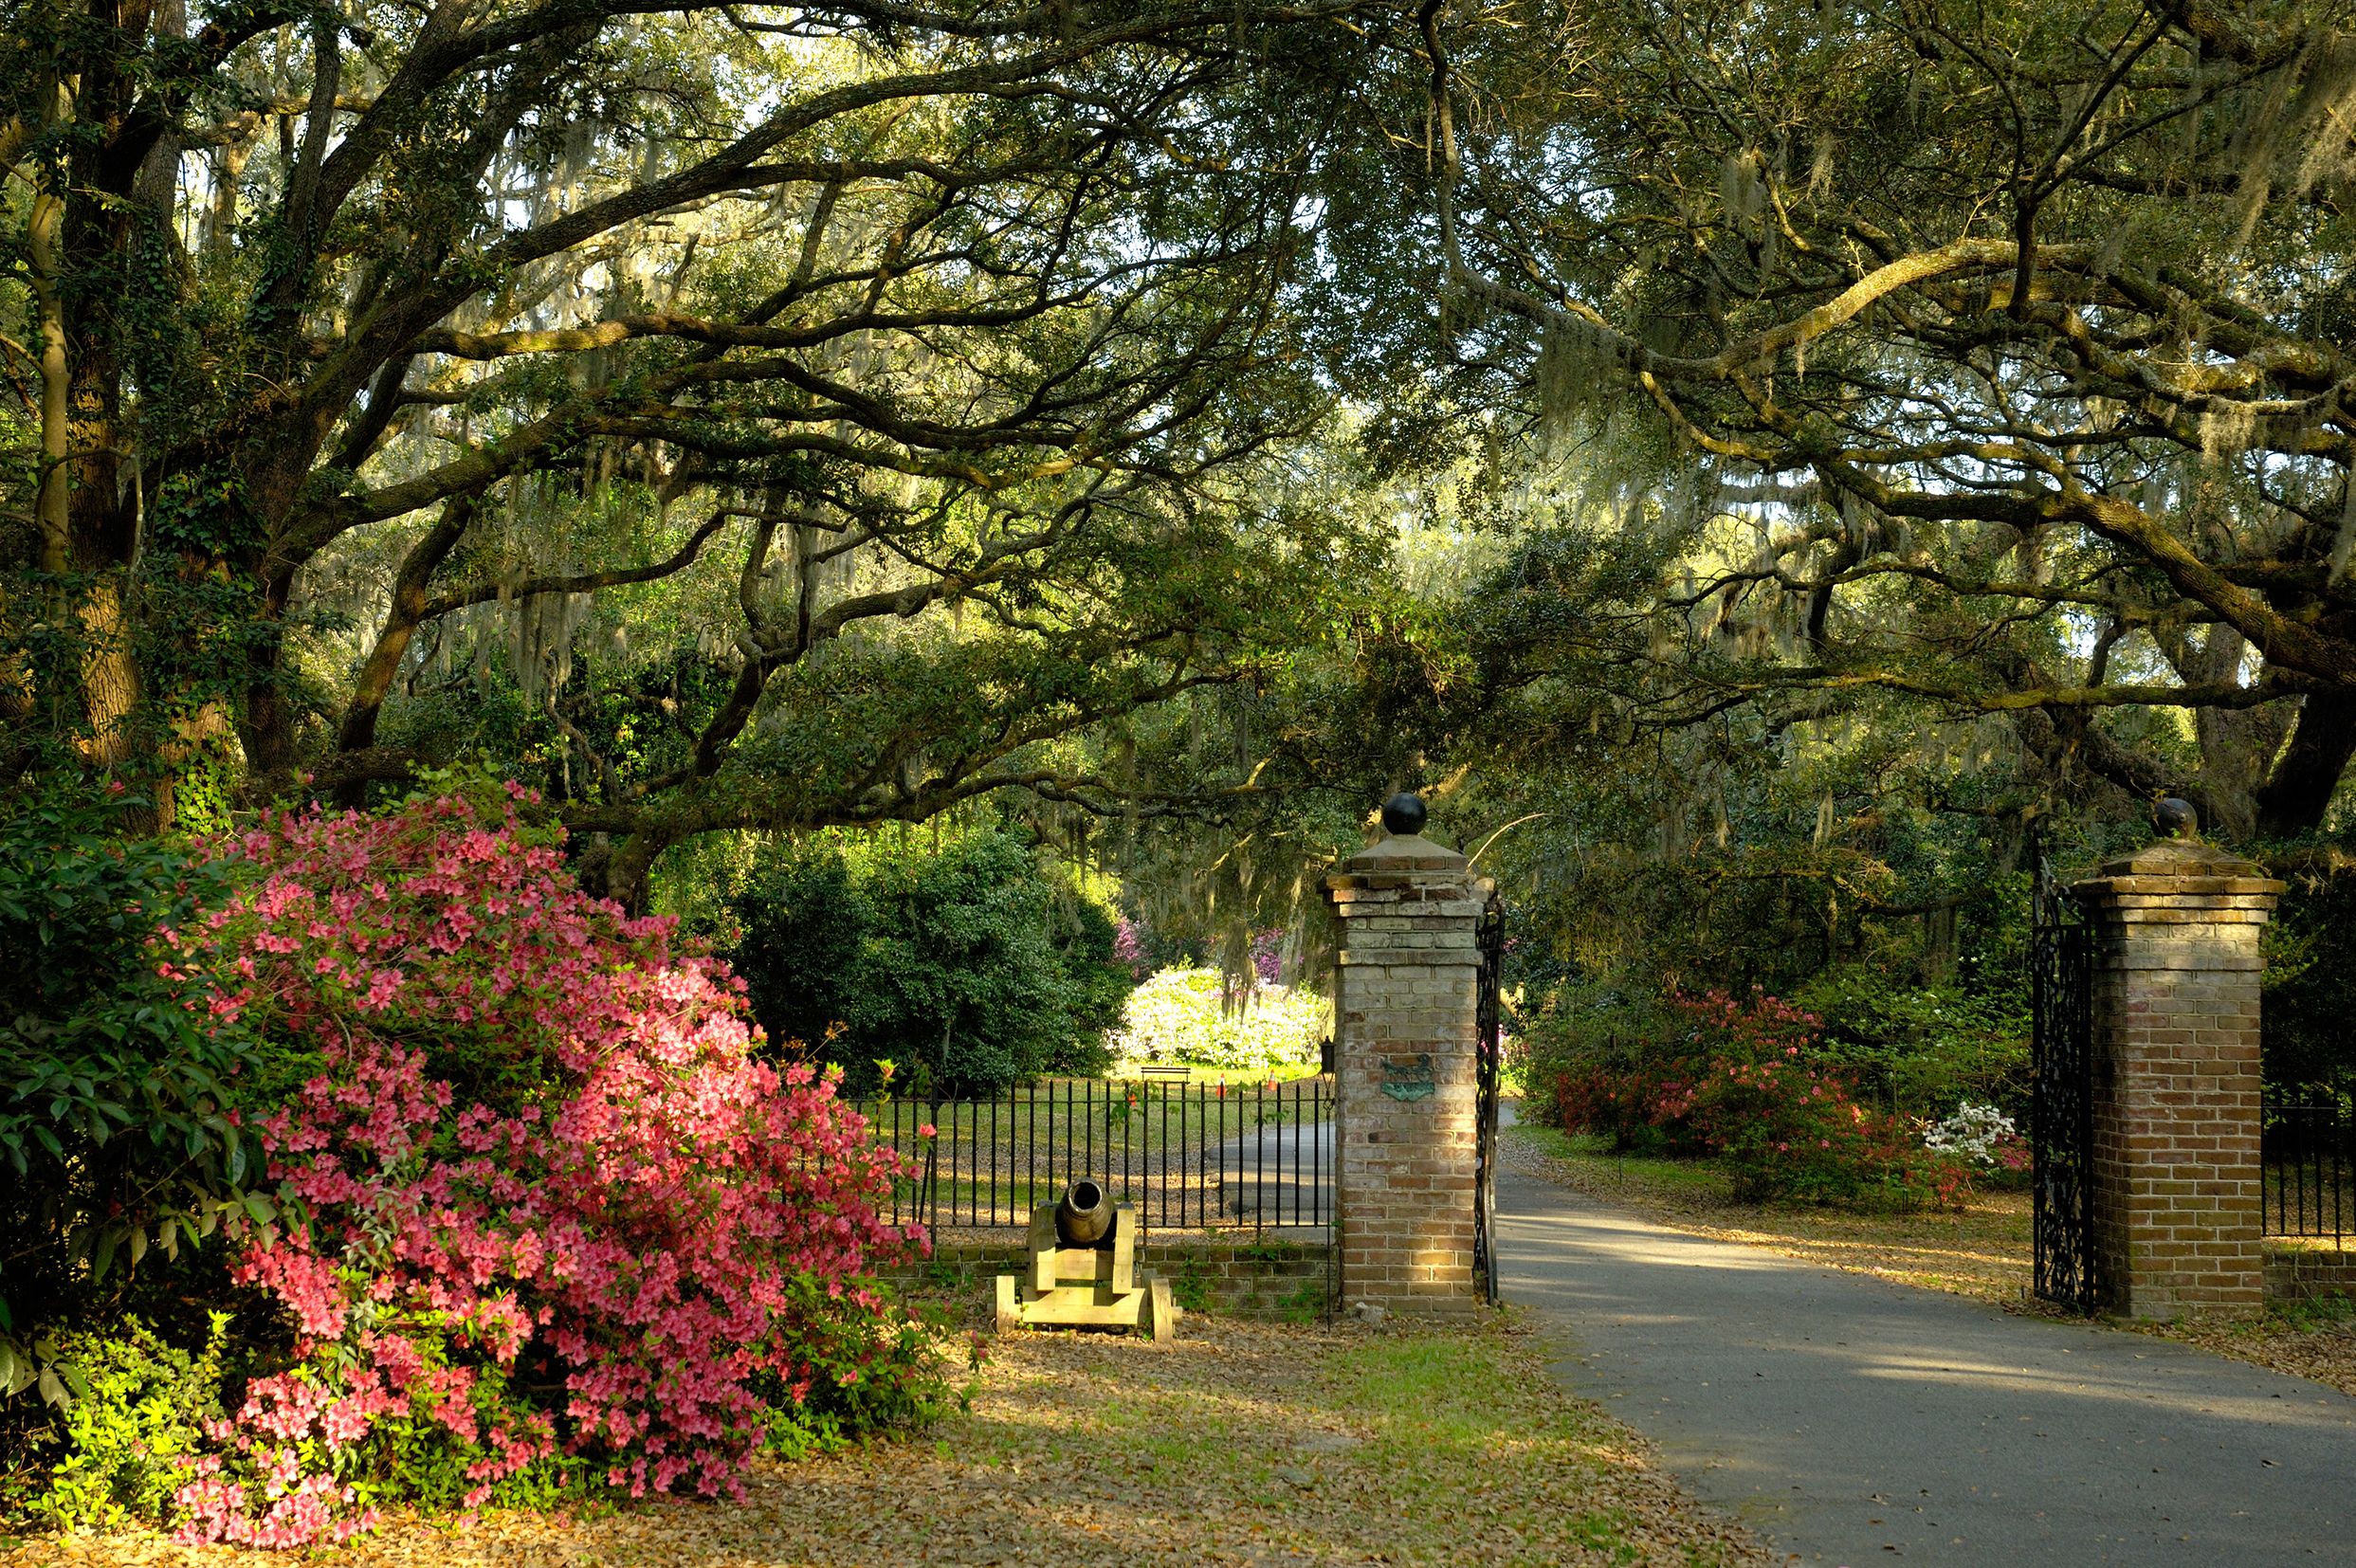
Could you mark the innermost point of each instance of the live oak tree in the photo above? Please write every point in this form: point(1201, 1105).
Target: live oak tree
point(738, 417)
point(1993, 356)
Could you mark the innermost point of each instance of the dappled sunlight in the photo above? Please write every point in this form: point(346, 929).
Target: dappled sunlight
point(2157, 1392)
point(1236, 1445)
point(1980, 1250)
point(1850, 1419)
point(1869, 1248)
point(1637, 1241)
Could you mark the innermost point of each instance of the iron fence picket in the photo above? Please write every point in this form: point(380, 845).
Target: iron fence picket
point(1178, 1152)
point(2306, 1169)
point(1280, 1156)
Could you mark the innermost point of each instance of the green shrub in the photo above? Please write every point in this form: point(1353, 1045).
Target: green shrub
point(118, 1080)
point(1100, 979)
point(2309, 1049)
point(970, 967)
point(1921, 1050)
point(1572, 1029)
point(410, 1457)
point(802, 924)
point(1747, 1082)
point(869, 1372)
point(137, 1408)
point(1918, 1051)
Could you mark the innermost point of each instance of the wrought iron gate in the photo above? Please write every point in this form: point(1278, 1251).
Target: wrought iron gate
point(2061, 1115)
point(1485, 1180)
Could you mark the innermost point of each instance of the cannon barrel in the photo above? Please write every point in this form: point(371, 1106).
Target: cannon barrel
point(1083, 1215)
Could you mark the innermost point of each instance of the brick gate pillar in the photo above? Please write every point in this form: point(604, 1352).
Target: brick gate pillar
point(1406, 1103)
point(2175, 1179)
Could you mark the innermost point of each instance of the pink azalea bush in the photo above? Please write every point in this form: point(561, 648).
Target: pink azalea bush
point(554, 1222)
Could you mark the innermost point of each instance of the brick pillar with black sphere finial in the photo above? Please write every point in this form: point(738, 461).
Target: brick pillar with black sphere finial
point(1406, 994)
point(2175, 1179)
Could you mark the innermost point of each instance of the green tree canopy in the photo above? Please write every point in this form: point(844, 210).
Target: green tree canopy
point(967, 965)
point(733, 417)
point(1991, 356)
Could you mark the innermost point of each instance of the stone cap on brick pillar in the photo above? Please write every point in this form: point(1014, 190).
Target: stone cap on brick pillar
point(1407, 868)
point(1404, 862)
point(2179, 875)
point(1404, 852)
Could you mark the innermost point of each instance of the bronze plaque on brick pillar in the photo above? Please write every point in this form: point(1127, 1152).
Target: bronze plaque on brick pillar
point(1407, 1107)
point(2176, 1183)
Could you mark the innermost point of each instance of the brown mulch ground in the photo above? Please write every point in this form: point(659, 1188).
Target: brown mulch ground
point(1983, 1251)
point(1239, 1443)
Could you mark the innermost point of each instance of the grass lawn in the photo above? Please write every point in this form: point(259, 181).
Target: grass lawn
point(1239, 1443)
point(1167, 1147)
point(1983, 1251)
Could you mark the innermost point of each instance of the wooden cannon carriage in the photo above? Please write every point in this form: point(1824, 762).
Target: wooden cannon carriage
point(1083, 1271)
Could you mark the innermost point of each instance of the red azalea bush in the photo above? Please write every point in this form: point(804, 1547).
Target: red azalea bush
point(557, 1223)
point(1742, 1080)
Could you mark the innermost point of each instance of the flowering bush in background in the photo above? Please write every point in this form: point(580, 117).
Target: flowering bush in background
point(1739, 1079)
point(1177, 1016)
point(558, 1226)
point(1982, 1135)
point(1128, 946)
point(1268, 956)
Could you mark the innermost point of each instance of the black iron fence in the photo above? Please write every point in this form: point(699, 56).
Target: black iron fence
point(2309, 1171)
point(1250, 1157)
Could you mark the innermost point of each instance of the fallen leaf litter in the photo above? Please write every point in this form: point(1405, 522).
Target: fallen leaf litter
point(1242, 1444)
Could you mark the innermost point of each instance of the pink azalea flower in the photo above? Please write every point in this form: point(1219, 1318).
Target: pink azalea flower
point(650, 1233)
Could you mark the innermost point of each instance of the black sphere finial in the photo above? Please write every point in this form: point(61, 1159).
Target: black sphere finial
point(2174, 818)
point(1404, 813)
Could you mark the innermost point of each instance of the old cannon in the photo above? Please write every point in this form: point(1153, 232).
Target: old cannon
point(1083, 1215)
point(1084, 1270)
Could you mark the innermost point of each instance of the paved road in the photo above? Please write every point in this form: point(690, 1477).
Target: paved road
point(1280, 1176)
point(1852, 1421)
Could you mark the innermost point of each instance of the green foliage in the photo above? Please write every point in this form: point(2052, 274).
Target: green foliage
point(2310, 985)
point(1191, 1286)
point(2330, 1309)
point(1304, 1303)
point(871, 1371)
point(1786, 720)
point(118, 1083)
point(1825, 556)
point(1921, 1050)
point(818, 618)
point(804, 923)
point(416, 1457)
point(1747, 1082)
point(1574, 1025)
point(971, 966)
point(113, 1455)
point(1100, 983)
